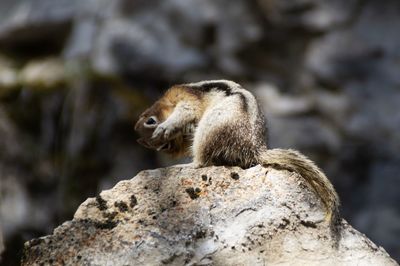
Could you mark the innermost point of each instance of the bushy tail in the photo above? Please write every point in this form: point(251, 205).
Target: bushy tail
point(295, 161)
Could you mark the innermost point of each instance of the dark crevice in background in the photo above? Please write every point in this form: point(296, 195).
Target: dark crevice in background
point(36, 41)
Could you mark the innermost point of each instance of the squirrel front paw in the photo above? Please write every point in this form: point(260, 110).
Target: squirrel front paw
point(163, 132)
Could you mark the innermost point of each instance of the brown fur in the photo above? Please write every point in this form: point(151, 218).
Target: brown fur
point(235, 142)
point(180, 145)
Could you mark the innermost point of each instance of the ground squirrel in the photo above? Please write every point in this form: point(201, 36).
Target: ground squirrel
point(220, 123)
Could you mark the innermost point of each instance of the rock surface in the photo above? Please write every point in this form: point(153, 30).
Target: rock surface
point(208, 216)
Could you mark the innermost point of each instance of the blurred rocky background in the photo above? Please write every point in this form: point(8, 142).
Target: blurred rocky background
point(75, 75)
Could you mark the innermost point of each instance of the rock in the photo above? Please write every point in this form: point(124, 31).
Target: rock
point(24, 23)
point(44, 74)
point(289, 125)
point(20, 212)
point(208, 216)
point(14, 203)
point(276, 103)
point(8, 76)
point(168, 38)
point(10, 142)
point(314, 15)
point(304, 133)
point(370, 54)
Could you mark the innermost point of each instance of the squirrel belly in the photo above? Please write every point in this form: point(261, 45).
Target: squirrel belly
point(228, 128)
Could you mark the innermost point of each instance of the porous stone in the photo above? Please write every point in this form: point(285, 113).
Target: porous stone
point(266, 216)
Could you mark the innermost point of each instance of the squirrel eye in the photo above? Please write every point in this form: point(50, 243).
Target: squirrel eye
point(151, 121)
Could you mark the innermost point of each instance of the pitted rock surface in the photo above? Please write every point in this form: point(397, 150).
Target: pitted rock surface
point(207, 216)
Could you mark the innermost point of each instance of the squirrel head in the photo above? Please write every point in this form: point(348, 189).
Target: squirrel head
point(148, 122)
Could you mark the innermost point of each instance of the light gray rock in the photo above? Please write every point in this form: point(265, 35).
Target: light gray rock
point(14, 203)
point(170, 37)
point(208, 216)
point(318, 15)
point(275, 103)
point(8, 76)
point(44, 74)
